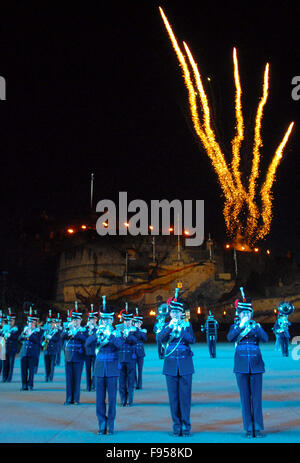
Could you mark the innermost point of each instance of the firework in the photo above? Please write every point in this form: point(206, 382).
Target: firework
point(236, 195)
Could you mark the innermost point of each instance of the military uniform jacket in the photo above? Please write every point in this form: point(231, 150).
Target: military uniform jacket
point(211, 327)
point(74, 347)
point(127, 352)
point(11, 344)
point(31, 344)
point(53, 343)
point(178, 360)
point(139, 347)
point(90, 346)
point(247, 357)
point(283, 334)
point(107, 359)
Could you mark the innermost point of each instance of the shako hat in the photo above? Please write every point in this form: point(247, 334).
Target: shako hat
point(176, 303)
point(137, 316)
point(105, 312)
point(75, 314)
point(93, 313)
point(125, 315)
point(244, 304)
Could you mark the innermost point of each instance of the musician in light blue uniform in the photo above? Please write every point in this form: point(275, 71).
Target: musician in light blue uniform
point(3, 328)
point(75, 337)
point(163, 313)
point(11, 335)
point(50, 340)
point(90, 355)
point(177, 335)
point(127, 356)
point(211, 329)
point(107, 368)
point(281, 327)
point(141, 335)
point(249, 366)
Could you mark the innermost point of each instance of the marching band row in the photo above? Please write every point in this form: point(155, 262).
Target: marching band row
point(115, 355)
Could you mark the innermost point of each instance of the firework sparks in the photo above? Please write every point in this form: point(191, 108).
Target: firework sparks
point(236, 195)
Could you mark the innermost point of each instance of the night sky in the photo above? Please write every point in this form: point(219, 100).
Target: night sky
point(97, 88)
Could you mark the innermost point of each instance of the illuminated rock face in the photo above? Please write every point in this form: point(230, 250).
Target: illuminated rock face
point(91, 269)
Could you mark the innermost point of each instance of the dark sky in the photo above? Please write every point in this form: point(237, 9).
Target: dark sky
point(97, 88)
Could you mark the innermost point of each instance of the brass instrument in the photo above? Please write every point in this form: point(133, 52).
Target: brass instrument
point(283, 324)
point(177, 327)
point(163, 313)
point(71, 330)
point(7, 331)
point(48, 335)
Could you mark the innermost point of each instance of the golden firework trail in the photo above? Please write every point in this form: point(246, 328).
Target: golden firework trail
point(230, 178)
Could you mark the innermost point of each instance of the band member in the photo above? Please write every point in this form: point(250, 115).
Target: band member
point(107, 368)
point(59, 327)
point(249, 366)
point(50, 340)
point(3, 328)
point(163, 313)
point(127, 357)
point(281, 327)
point(211, 329)
point(177, 335)
point(141, 335)
point(38, 351)
point(90, 355)
point(11, 336)
point(31, 338)
point(75, 337)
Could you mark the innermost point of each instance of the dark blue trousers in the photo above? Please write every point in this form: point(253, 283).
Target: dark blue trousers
point(49, 361)
point(250, 387)
point(73, 379)
point(180, 396)
point(139, 372)
point(284, 342)
point(212, 343)
point(8, 366)
point(89, 370)
point(27, 371)
point(58, 355)
point(126, 382)
point(106, 385)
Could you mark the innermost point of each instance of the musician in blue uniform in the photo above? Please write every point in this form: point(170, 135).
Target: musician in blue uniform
point(249, 366)
point(211, 329)
point(75, 337)
point(90, 354)
point(59, 327)
point(107, 368)
point(11, 335)
point(127, 356)
point(31, 338)
point(49, 342)
point(281, 327)
point(177, 335)
point(141, 335)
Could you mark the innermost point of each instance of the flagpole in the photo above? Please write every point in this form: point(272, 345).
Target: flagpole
point(92, 189)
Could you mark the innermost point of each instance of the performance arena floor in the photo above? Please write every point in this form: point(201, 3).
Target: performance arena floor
point(39, 416)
